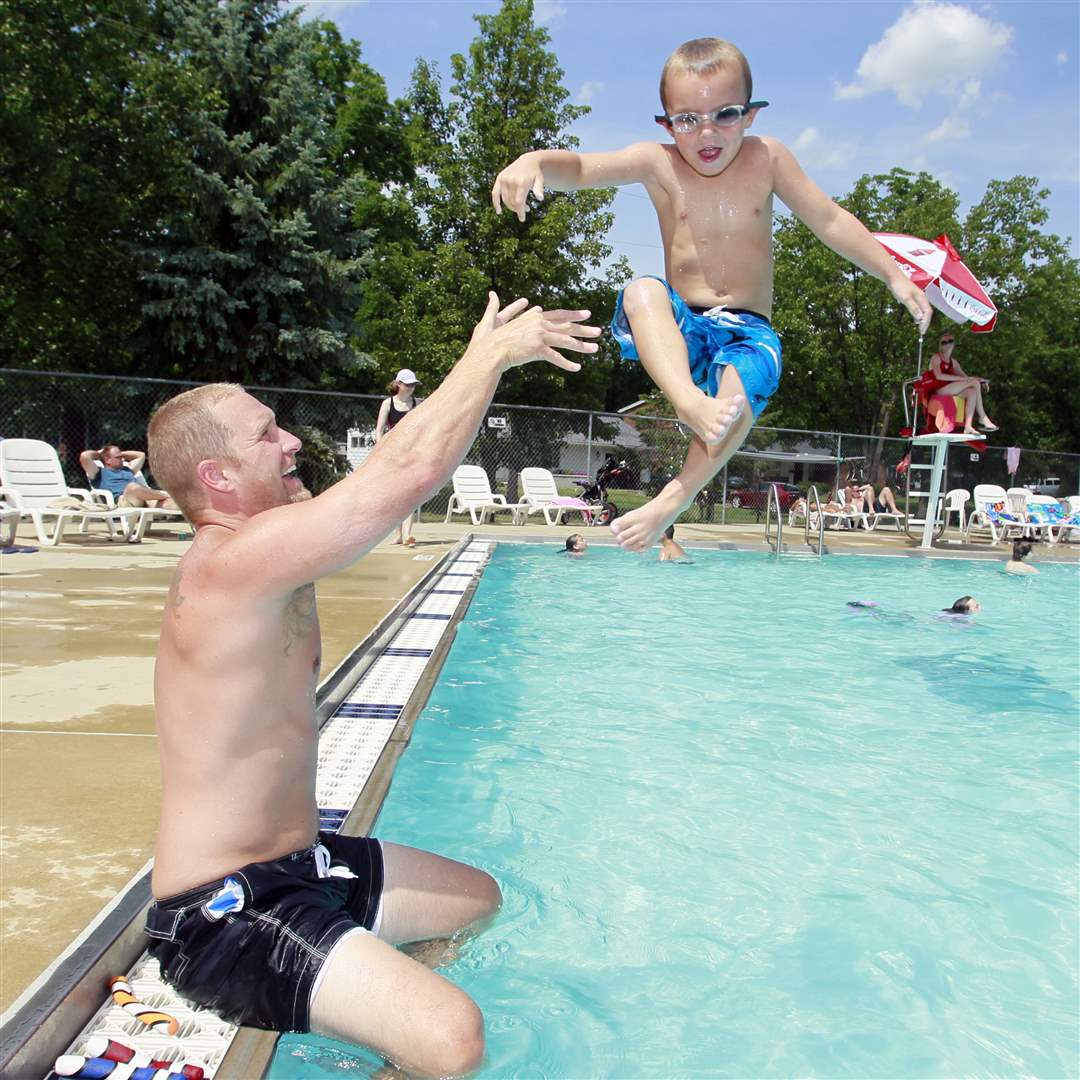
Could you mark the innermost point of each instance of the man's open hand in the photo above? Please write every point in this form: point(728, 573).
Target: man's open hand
point(521, 334)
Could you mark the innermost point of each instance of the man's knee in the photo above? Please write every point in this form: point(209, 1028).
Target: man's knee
point(461, 1049)
point(489, 893)
point(643, 294)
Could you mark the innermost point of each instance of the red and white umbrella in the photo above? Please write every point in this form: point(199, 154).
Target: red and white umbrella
point(949, 285)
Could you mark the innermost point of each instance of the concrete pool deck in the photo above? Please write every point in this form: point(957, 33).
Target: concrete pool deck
point(78, 760)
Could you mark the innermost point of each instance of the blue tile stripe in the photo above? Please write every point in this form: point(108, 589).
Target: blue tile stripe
point(402, 651)
point(331, 819)
point(369, 710)
point(425, 615)
point(445, 592)
point(452, 573)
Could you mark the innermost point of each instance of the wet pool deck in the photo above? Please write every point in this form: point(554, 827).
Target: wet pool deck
point(79, 773)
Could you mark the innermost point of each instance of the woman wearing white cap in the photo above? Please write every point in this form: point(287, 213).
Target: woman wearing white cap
point(391, 412)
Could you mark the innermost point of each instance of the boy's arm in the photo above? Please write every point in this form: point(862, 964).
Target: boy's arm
point(842, 231)
point(566, 170)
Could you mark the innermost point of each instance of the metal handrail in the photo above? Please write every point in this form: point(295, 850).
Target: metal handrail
point(774, 497)
point(813, 493)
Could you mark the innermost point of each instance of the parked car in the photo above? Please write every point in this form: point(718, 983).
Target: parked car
point(756, 496)
point(1048, 485)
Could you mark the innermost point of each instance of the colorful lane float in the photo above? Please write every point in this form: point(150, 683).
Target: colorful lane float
point(152, 1018)
point(107, 1058)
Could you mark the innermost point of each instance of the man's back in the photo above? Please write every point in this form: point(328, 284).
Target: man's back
point(234, 688)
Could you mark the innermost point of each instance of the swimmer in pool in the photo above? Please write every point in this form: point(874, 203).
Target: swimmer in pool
point(258, 914)
point(874, 610)
point(704, 334)
point(961, 608)
point(670, 549)
point(1016, 565)
point(576, 545)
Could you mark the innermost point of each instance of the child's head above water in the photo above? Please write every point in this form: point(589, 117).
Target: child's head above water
point(966, 605)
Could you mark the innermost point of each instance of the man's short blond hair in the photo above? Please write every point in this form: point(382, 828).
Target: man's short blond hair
point(183, 432)
point(705, 56)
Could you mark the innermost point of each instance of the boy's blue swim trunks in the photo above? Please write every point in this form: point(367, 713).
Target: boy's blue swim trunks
point(715, 339)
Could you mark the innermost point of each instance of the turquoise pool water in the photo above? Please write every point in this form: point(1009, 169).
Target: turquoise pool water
point(743, 832)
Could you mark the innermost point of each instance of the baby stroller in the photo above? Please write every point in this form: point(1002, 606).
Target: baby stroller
point(612, 472)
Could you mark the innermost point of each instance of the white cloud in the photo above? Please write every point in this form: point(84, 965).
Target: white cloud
point(548, 12)
point(952, 127)
point(1062, 58)
point(816, 152)
point(588, 91)
point(320, 9)
point(932, 47)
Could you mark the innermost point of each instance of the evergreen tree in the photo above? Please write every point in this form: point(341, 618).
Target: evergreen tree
point(255, 275)
point(448, 247)
point(89, 107)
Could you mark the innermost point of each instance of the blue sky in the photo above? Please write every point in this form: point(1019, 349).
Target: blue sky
point(968, 92)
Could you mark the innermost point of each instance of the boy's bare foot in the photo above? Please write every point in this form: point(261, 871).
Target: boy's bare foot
point(638, 530)
point(987, 424)
point(711, 418)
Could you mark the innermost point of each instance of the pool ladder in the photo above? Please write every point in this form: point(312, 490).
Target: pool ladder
point(812, 498)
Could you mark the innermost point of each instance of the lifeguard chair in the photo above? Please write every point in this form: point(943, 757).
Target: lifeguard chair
point(930, 422)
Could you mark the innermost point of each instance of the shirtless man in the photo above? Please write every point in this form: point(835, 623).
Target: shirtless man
point(257, 914)
point(704, 335)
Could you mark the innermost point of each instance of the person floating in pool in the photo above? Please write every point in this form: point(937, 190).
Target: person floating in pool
point(1016, 565)
point(962, 608)
point(704, 334)
point(258, 914)
point(576, 545)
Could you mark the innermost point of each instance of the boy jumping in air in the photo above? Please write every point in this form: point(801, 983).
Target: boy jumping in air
point(704, 334)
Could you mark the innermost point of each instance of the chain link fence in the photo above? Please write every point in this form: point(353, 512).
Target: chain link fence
point(77, 412)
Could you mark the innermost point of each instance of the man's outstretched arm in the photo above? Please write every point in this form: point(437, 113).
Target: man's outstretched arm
point(292, 545)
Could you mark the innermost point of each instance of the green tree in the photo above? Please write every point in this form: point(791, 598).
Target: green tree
point(89, 107)
point(1033, 356)
point(255, 275)
point(449, 247)
point(848, 346)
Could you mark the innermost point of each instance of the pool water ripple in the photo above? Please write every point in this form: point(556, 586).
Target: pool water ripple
point(742, 831)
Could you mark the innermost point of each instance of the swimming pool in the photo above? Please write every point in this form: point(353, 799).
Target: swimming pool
point(742, 831)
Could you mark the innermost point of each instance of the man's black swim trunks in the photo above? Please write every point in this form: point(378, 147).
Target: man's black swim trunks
point(251, 946)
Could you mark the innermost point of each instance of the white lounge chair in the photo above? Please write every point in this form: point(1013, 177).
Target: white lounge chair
point(847, 519)
point(32, 480)
point(540, 495)
point(984, 517)
point(1052, 527)
point(473, 496)
point(9, 523)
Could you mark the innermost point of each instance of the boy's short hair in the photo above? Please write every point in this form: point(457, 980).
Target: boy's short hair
point(669, 532)
point(184, 431)
point(571, 541)
point(704, 56)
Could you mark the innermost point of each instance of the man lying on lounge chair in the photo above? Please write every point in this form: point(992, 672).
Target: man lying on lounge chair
point(116, 471)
